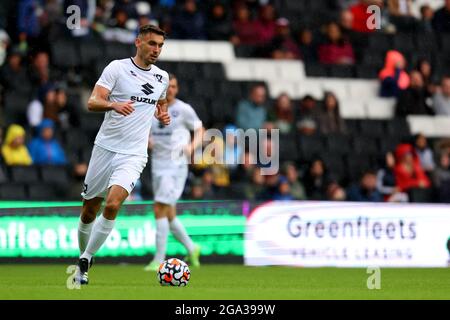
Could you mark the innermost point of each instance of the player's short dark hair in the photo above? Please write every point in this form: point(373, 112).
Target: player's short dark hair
point(150, 28)
point(172, 76)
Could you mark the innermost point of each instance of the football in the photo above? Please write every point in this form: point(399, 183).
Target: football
point(174, 272)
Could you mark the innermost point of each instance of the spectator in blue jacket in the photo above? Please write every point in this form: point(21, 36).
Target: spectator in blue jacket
point(366, 191)
point(28, 17)
point(252, 114)
point(45, 149)
point(284, 190)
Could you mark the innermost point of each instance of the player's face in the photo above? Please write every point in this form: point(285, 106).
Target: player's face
point(149, 47)
point(172, 90)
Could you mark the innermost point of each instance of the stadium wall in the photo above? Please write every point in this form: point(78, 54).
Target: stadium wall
point(38, 231)
point(309, 234)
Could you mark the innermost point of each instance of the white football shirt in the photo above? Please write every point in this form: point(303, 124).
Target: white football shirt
point(168, 141)
point(127, 81)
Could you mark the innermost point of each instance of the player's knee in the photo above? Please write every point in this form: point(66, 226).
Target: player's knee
point(112, 206)
point(88, 214)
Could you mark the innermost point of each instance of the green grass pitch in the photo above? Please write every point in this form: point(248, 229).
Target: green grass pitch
point(224, 282)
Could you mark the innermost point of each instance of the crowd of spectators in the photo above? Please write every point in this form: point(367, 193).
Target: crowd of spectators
point(28, 27)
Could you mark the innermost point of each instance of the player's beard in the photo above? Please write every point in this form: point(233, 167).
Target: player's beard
point(147, 59)
point(148, 62)
point(151, 60)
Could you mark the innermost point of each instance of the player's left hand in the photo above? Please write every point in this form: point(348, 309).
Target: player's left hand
point(162, 116)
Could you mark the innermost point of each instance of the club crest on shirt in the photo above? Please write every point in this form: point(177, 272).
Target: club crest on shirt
point(175, 113)
point(158, 77)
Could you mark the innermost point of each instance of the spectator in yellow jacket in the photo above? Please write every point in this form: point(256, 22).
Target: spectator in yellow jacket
point(14, 151)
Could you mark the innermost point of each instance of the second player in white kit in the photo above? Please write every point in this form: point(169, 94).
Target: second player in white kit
point(171, 146)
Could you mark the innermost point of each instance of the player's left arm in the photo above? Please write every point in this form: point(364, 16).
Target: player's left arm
point(161, 112)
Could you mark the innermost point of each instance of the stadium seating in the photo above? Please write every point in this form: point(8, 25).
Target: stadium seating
point(13, 191)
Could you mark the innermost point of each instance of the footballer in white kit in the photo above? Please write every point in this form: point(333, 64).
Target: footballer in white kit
point(171, 146)
point(131, 92)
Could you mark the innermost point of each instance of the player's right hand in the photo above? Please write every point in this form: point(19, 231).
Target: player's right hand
point(123, 108)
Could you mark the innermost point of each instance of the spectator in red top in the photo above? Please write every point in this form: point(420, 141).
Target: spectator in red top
point(408, 171)
point(361, 16)
point(244, 27)
point(266, 25)
point(336, 50)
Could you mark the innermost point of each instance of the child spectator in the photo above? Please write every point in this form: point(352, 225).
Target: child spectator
point(284, 190)
point(45, 149)
point(14, 151)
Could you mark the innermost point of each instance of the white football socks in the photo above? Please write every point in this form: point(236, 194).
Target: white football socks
point(84, 232)
point(100, 232)
point(181, 235)
point(162, 231)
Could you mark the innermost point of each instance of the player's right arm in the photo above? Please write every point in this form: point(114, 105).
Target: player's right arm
point(99, 102)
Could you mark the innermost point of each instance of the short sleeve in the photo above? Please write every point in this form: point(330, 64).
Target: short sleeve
point(192, 121)
point(164, 92)
point(109, 76)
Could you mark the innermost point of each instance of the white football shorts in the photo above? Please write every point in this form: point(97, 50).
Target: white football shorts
point(168, 184)
point(107, 168)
